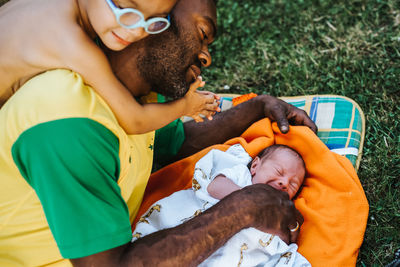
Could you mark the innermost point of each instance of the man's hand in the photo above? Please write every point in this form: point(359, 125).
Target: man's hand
point(284, 113)
point(268, 210)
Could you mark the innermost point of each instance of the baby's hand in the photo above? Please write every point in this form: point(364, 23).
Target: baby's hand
point(200, 102)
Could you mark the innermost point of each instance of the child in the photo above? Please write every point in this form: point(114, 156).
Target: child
point(219, 173)
point(41, 35)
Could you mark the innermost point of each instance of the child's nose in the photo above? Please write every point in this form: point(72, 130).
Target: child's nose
point(137, 33)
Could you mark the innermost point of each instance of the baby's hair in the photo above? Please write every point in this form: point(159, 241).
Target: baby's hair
point(268, 151)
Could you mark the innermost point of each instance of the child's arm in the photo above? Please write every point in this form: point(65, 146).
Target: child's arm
point(137, 119)
point(221, 186)
point(89, 61)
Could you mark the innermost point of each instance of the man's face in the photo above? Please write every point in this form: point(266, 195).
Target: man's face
point(169, 62)
point(174, 60)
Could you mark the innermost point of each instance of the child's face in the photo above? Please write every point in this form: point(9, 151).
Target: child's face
point(111, 33)
point(283, 170)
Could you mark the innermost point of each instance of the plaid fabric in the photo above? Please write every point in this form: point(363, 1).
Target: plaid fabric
point(340, 121)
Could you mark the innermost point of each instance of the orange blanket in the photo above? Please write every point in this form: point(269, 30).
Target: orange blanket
point(332, 200)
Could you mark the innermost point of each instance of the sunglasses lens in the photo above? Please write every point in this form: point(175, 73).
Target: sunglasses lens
point(157, 26)
point(129, 19)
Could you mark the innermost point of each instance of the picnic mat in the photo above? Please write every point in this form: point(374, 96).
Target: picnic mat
point(332, 201)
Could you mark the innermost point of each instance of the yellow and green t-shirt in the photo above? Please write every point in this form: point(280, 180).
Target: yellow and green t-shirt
point(71, 180)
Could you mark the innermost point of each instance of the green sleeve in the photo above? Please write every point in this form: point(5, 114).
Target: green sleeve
point(73, 165)
point(168, 140)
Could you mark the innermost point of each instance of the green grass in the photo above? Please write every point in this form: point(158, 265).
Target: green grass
point(350, 48)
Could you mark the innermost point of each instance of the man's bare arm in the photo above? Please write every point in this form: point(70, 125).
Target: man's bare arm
point(188, 244)
point(235, 121)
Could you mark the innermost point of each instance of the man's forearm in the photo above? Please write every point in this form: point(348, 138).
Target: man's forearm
point(187, 244)
point(190, 243)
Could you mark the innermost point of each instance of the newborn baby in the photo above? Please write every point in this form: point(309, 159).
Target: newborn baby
point(218, 174)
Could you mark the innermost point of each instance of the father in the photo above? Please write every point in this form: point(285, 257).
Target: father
point(72, 179)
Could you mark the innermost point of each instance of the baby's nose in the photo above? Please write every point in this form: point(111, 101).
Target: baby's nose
point(283, 184)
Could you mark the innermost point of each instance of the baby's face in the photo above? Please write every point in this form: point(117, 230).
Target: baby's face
point(283, 170)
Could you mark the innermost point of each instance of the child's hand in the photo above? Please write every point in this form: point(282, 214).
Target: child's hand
point(216, 98)
point(200, 102)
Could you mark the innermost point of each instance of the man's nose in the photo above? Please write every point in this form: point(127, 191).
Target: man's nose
point(205, 58)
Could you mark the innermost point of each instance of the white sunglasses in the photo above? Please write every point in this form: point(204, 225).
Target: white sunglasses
point(131, 18)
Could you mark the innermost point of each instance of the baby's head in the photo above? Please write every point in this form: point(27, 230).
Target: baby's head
point(280, 167)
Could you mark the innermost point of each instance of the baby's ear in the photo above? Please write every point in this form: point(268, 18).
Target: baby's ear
point(254, 165)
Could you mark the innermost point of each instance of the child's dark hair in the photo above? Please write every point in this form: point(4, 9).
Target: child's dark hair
point(268, 151)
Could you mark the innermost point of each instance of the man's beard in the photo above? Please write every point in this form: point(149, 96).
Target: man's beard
point(165, 62)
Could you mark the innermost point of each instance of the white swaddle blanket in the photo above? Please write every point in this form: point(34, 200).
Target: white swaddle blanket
point(249, 247)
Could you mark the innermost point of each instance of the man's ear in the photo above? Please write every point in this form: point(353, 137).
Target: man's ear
point(254, 165)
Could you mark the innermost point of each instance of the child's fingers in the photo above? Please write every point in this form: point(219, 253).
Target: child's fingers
point(196, 84)
point(206, 100)
point(208, 114)
point(211, 107)
point(197, 118)
point(209, 111)
point(215, 96)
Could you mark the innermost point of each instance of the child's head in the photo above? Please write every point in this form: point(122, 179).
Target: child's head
point(119, 23)
point(280, 167)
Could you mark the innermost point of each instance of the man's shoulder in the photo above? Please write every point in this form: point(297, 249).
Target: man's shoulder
point(57, 94)
point(59, 90)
